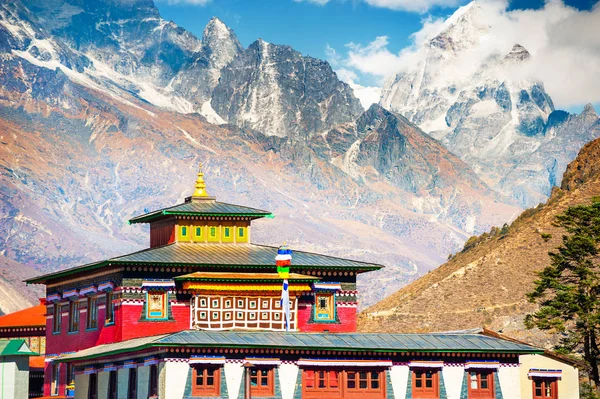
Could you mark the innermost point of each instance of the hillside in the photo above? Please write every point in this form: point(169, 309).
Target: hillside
point(486, 284)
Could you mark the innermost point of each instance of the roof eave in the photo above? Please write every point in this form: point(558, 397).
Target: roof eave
point(155, 215)
point(43, 279)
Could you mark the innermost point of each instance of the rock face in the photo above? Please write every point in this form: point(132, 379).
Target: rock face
point(98, 123)
point(485, 284)
point(197, 80)
point(277, 91)
point(488, 116)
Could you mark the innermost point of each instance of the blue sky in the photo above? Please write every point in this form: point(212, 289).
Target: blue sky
point(310, 27)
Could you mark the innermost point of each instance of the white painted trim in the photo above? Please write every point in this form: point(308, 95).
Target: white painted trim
point(425, 364)
point(544, 373)
point(353, 363)
point(482, 365)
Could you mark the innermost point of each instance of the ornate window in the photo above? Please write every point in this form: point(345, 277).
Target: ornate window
point(198, 233)
point(325, 382)
point(426, 383)
point(545, 388)
point(241, 234)
point(227, 233)
point(262, 382)
point(92, 312)
point(73, 316)
point(57, 317)
point(324, 306)
point(206, 381)
point(110, 309)
point(55, 379)
point(214, 312)
point(157, 302)
point(213, 233)
point(481, 384)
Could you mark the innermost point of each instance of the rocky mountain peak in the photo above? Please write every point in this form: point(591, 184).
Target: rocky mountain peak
point(518, 53)
point(589, 110)
point(219, 43)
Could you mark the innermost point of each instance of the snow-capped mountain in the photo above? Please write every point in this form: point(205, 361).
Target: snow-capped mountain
point(484, 112)
point(99, 104)
point(278, 91)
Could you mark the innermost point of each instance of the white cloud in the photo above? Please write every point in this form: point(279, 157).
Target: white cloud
point(398, 5)
point(564, 43)
point(411, 5)
point(366, 94)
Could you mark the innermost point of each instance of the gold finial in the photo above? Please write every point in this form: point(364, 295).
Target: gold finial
point(200, 185)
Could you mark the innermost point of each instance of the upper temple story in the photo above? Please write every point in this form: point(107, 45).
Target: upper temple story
point(201, 219)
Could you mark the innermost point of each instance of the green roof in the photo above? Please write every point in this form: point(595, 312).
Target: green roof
point(216, 255)
point(434, 342)
point(203, 208)
point(15, 347)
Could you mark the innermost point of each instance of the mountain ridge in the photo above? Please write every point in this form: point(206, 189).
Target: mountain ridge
point(485, 284)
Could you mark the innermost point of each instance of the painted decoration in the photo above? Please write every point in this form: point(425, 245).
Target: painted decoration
point(157, 305)
point(283, 261)
point(224, 312)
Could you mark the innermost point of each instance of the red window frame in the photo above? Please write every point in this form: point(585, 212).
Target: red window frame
point(481, 384)
point(364, 384)
point(262, 382)
point(425, 383)
point(206, 381)
point(545, 388)
point(56, 317)
point(321, 383)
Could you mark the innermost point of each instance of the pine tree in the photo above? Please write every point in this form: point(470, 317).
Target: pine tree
point(568, 290)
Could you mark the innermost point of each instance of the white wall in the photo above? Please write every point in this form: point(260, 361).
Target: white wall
point(399, 377)
point(568, 385)
point(175, 378)
point(234, 373)
point(288, 373)
point(510, 382)
point(453, 378)
point(8, 367)
point(81, 386)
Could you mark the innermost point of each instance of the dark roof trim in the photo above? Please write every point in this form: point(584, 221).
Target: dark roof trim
point(172, 210)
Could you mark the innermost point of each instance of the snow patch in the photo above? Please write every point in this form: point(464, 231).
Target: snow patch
point(210, 114)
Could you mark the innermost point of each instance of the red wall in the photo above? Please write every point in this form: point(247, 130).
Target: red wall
point(347, 316)
point(127, 326)
point(130, 314)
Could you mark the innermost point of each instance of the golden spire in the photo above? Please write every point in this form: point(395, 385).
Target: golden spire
point(200, 185)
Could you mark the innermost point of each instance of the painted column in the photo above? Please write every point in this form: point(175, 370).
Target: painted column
point(81, 386)
point(122, 383)
point(508, 375)
point(234, 373)
point(399, 376)
point(143, 374)
point(176, 373)
point(453, 379)
point(103, 377)
point(288, 373)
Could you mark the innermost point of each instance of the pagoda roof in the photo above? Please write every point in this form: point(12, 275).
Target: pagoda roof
point(34, 316)
point(203, 207)
point(215, 255)
point(359, 342)
point(254, 277)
